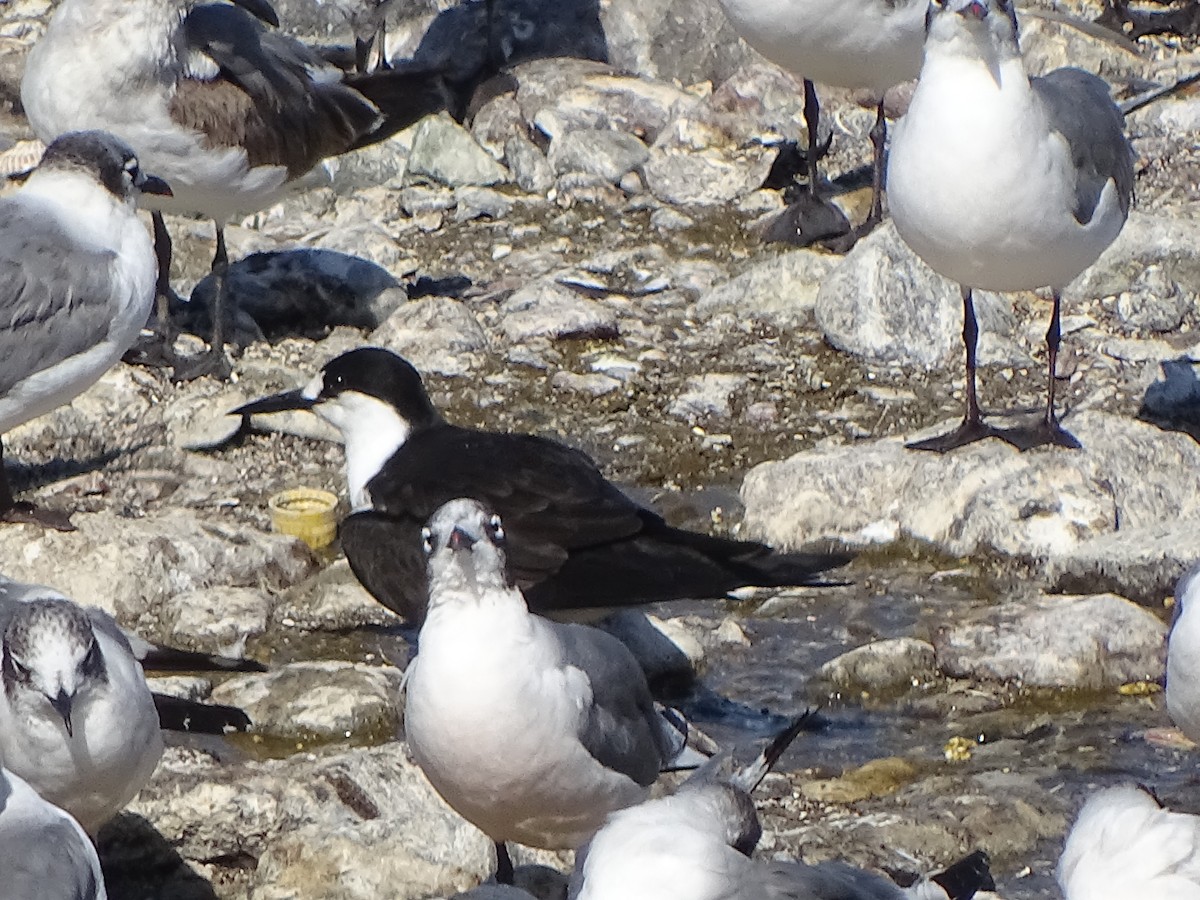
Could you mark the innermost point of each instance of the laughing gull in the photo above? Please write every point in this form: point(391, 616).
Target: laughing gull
point(44, 854)
point(1125, 846)
point(575, 541)
point(231, 113)
point(1183, 656)
point(532, 730)
point(696, 844)
point(871, 44)
point(1005, 183)
point(77, 274)
point(77, 720)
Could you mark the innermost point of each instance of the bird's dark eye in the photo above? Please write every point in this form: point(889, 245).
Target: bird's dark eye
point(131, 167)
point(427, 540)
point(497, 529)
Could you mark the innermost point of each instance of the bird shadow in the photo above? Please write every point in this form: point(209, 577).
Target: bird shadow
point(1173, 402)
point(30, 476)
point(139, 863)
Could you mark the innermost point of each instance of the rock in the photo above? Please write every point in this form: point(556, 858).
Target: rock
point(881, 666)
point(593, 384)
point(781, 290)
point(1141, 563)
point(203, 422)
point(133, 568)
point(666, 650)
point(605, 153)
point(529, 166)
point(580, 187)
point(1083, 643)
point(667, 219)
point(877, 778)
point(1175, 397)
point(332, 601)
point(707, 396)
point(355, 825)
point(883, 304)
point(547, 309)
point(300, 292)
point(1153, 268)
point(435, 334)
point(480, 203)
point(983, 498)
point(694, 164)
point(326, 700)
point(216, 620)
point(445, 151)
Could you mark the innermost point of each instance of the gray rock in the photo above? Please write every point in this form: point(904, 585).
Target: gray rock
point(132, 568)
point(327, 700)
point(445, 151)
point(694, 164)
point(1159, 303)
point(303, 823)
point(667, 219)
point(1086, 643)
point(605, 153)
point(416, 199)
point(580, 187)
point(1175, 397)
point(197, 422)
point(480, 203)
point(778, 289)
point(983, 498)
point(216, 620)
point(529, 166)
point(435, 334)
point(1140, 563)
point(881, 666)
point(665, 649)
point(593, 384)
point(332, 601)
point(547, 309)
point(707, 396)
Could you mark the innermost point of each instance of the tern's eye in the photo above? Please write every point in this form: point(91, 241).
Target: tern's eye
point(497, 529)
point(427, 540)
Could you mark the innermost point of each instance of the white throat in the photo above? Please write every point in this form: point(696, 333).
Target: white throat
point(372, 431)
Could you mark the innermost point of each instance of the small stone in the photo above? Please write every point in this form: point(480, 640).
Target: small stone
point(707, 396)
point(547, 309)
point(480, 203)
point(881, 666)
point(218, 620)
point(602, 152)
point(435, 334)
point(445, 151)
point(593, 384)
point(530, 168)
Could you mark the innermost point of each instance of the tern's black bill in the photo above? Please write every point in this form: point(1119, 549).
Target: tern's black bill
point(62, 706)
point(152, 184)
point(275, 403)
point(260, 9)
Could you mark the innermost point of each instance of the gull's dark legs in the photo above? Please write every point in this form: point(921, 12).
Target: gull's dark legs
point(878, 136)
point(22, 512)
point(812, 121)
point(1048, 431)
point(973, 428)
point(214, 361)
point(158, 350)
point(504, 866)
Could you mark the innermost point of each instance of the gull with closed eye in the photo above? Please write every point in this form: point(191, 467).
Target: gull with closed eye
point(575, 541)
point(1004, 182)
point(696, 844)
point(532, 730)
point(230, 112)
point(77, 273)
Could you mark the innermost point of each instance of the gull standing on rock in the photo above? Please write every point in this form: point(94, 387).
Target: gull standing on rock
point(532, 730)
point(696, 844)
point(232, 114)
point(1183, 656)
point(575, 541)
point(77, 273)
point(1005, 183)
point(44, 854)
point(871, 44)
point(1125, 846)
point(77, 720)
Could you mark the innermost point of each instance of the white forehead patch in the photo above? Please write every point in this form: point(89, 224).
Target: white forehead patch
point(313, 389)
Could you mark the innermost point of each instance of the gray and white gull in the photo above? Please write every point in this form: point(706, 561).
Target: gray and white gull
point(77, 274)
point(1183, 656)
point(1004, 182)
point(533, 731)
point(44, 854)
point(696, 844)
point(230, 112)
point(1125, 846)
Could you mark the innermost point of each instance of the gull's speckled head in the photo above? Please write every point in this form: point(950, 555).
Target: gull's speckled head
point(464, 542)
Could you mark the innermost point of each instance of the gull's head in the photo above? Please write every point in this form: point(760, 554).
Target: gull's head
point(976, 28)
point(373, 397)
point(50, 657)
point(464, 546)
point(106, 159)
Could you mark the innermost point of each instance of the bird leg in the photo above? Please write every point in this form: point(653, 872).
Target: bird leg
point(973, 428)
point(1048, 431)
point(23, 512)
point(878, 136)
point(812, 121)
point(214, 362)
point(504, 866)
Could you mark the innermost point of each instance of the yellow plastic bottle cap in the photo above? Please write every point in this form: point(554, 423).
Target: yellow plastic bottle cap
point(306, 513)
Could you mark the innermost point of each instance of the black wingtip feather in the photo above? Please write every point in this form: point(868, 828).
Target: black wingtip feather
point(178, 714)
